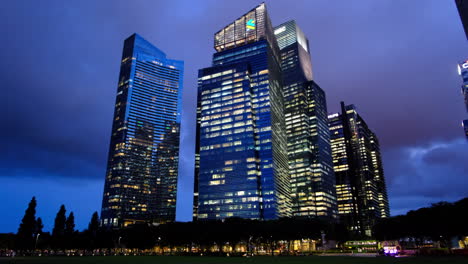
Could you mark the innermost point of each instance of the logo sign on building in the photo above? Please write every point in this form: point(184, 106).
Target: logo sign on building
point(250, 24)
point(462, 67)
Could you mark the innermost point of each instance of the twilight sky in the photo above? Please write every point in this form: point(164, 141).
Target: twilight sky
point(394, 59)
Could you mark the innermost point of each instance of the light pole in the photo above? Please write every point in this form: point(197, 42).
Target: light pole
point(37, 237)
point(249, 249)
point(159, 245)
point(324, 241)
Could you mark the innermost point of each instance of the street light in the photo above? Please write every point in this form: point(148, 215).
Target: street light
point(159, 245)
point(119, 245)
point(37, 237)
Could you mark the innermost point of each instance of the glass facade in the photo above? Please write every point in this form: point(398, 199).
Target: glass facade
point(142, 169)
point(308, 136)
point(251, 27)
point(241, 160)
point(462, 6)
point(463, 72)
point(360, 183)
point(465, 127)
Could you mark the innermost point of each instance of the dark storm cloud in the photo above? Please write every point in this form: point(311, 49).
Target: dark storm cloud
point(29, 160)
point(422, 174)
point(454, 153)
point(395, 60)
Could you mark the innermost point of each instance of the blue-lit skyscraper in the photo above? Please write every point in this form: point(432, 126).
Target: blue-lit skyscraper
point(142, 169)
point(243, 167)
point(308, 136)
point(462, 6)
point(465, 127)
point(463, 71)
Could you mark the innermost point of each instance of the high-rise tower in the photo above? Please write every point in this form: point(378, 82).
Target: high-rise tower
point(465, 127)
point(360, 183)
point(142, 169)
point(462, 6)
point(308, 136)
point(242, 166)
point(463, 72)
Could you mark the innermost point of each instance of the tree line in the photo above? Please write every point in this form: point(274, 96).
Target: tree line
point(202, 234)
point(231, 231)
point(64, 236)
point(440, 222)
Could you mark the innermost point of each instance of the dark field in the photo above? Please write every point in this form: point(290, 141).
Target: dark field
point(233, 260)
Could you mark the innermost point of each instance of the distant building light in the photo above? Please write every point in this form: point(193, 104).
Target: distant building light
point(280, 30)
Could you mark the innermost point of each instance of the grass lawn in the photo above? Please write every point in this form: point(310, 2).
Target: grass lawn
point(232, 260)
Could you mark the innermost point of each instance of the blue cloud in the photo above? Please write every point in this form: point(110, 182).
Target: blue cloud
point(420, 175)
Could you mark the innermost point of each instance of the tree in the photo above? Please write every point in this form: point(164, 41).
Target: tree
point(439, 222)
point(70, 224)
point(92, 234)
point(69, 232)
point(27, 228)
point(93, 225)
point(39, 226)
point(58, 231)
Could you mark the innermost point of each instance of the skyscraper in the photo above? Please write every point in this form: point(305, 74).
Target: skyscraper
point(465, 127)
point(462, 6)
point(360, 183)
point(243, 166)
point(142, 169)
point(463, 72)
point(308, 136)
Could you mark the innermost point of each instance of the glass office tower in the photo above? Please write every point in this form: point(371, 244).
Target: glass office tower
point(308, 136)
point(243, 165)
point(142, 169)
point(465, 127)
point(360, 183)
point(463, 72)
point(462, 6)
